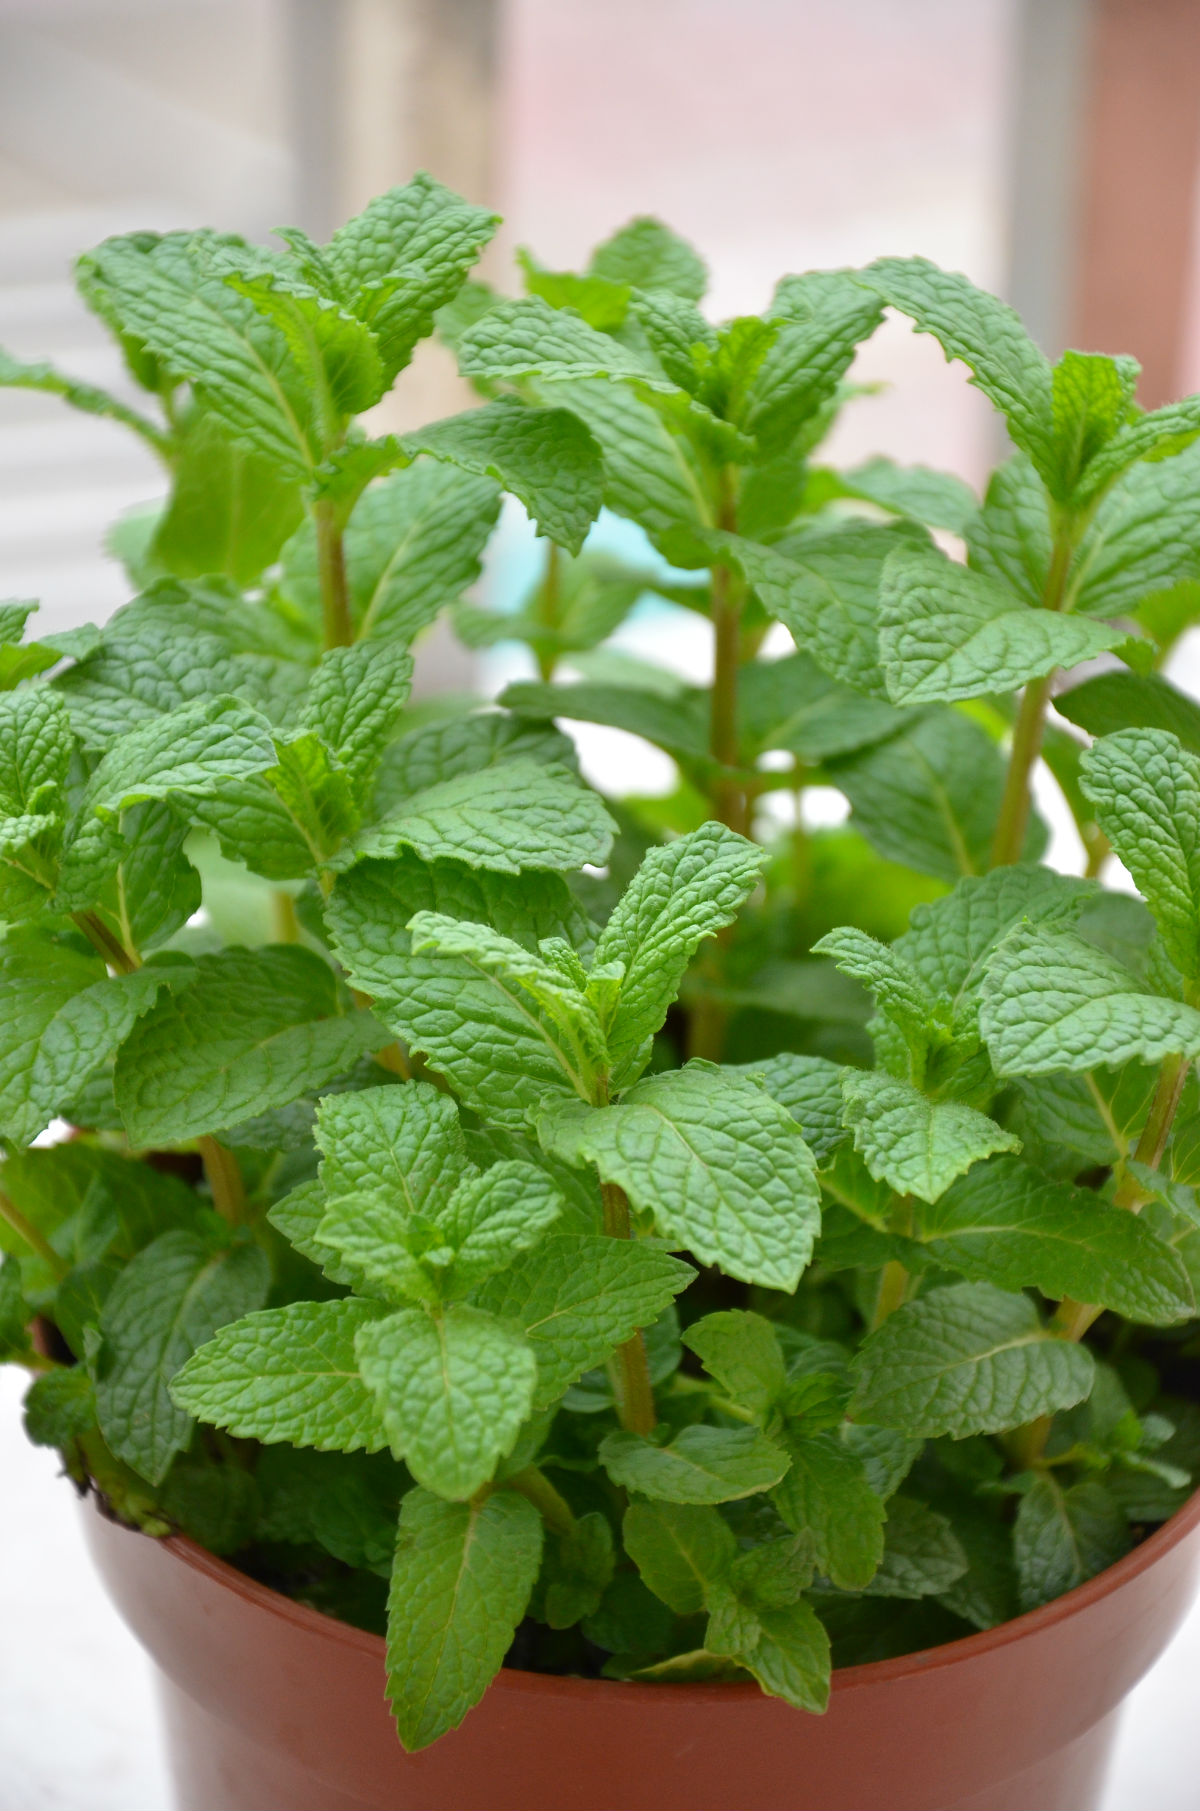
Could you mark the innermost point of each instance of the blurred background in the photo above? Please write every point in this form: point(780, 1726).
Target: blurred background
point(1048, 148)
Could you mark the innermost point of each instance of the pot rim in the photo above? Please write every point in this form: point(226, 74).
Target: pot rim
point(872, 1673)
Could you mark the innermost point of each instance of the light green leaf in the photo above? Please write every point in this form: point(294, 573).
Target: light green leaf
point(461, 1580)
point(680, 1549)
point(718, 1164)
point(827, 1498)
point(936, 498)
point(17, 374)
point(530, 339)
point(1093, 398)
point(518, 815)
point(784, 1645)
point(493, 1216)
point(251, 1032)
point(680, 895)
point(230, 510)
point(1142, 539)
point(1052, 1001)
point(453, 1391)
point(810, 1087)
point(946, 632)
point(967, 1359)
point(462, 744)
point(1159, 435)
point(1011, 539)
point(648, 255)
point(354, 704)
point(742, 1352)
point(701, 1464)
point(170, 1299)
point(192, 749)
point(791, 704)
point(35, 749)
point(545, 457)
point(921, 1557)
point(1146, 789)
point(1008, 1225)
point(823, 316)
point(337, 353)
point(917, 1146)
point(928, 797)
point(288, 1374)
point(580, 1296)
point(1063, 1537)
point(989, 337)
point(898, 989)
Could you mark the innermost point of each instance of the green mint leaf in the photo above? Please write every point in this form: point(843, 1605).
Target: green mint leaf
point(519, 815)
point(921, 1556)
point(251, 1032)
point(453, 1391)
point(171, 1298)
point(936, 498)
point(317, 797)
point(413, 544)
point(810, 1087)
point(1117, 701)
point(988, 337)
point(137, 878)
point(718, 1164)
point(230, 510)
point(946, 632)
point(1064, 1536)
point(530, 339)
point(928, 796)
point(785, 1646)
point(403, 1141)
point(917, 1146)
point(580, 1296)
point(677, 333)
point(493, 1216)
point(577, 1569)
point(967, 1359)
point(35, 750)
point(1006, 1224)
point(648, 255)
point(495, 1052)
point(546, 457)
point(192, 749)
point(1161, 434)
point(680, 1549)
point(354, 704)
point(887, 1457)
point(791, 704)
point(441, 751)
point(601, 302)
point(59, 1406)
point(171, 296)
point(823, 316)
point(1142, 539)
point(680, 895)
point(288, 1374)
point(1052, 1001)
point(1011, 539)
point(461, 1580)
point(1146, 789)
point(17, 374)
point(826, 1497)
point(1092, 399)
point(337, 353)
point(298, 1217)
point(898, 989)
point(742, 1352)
point(676, 725)
point(701, 1464)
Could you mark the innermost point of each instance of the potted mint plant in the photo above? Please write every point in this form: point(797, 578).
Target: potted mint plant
point(599, 1270)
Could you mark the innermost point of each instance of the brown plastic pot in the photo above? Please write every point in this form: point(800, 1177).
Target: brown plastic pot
point(273, 1707)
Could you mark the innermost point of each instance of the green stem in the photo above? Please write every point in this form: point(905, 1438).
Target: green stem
point(554, 1509)
point(331, 568)
point(635, 1395)
point(548, 605)
point(114, 952)
point(893, 1288)
point(30, 1235)
point(1027, 733)
point(224, 1179)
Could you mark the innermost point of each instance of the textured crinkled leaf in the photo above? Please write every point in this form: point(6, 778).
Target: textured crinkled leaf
point(1052, 1001)
point(492, 1217)
point(1063, 1537)
point(648, 255)
point(1011, 538)
point(298, 1217)
point(463, 744)
point(916, 1145)
point(337, 353)
point(946, 632)
point(928, 797)
point(676, 725)
point(578, 1296)
point(898, 989)
point(810, 1087)
point(461, 1580)
point(288, 1374)
point(1146, 790)
point(519, 815)
point(823, 316)
point(1160, 434)
point(404, 1141)
point(700, 1465)
point(680, 1549)
point(988, 336)
point(136, 877)
point(496, 1052)
point(1008, 1225)
point(171, 1298)
point(826, 1497)
point(35, 749)
point(921, 1556)
point(354, 704)
point(1092, 401)
point(530, 339)
point(718, 1164)
point(255, 1029)
point(453, 1391)
point(680, 895)
point(545, 457)
point(967, 1359)
point(191, 749)
point(1142, 539)
point(936, 498)
point(785, 1647)
point(742, 1352)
